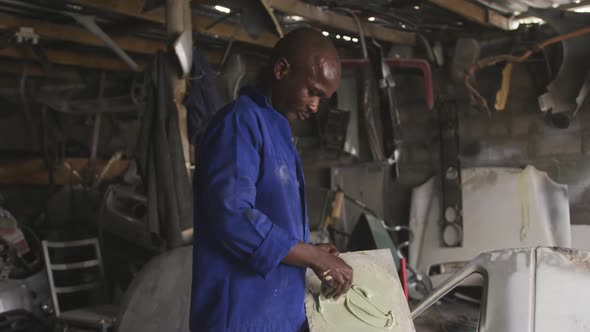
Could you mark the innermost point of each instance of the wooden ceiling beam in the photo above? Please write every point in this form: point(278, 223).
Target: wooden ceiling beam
point(86, 60)
point(332, 19)
point(35, 70)
point(68, 58)
point(80, 35)
point(224, 30)
point(132, 8)
point(474, 12)
point(228, 31)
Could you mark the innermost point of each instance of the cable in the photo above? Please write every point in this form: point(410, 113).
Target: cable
point(361, 32)
point(492, 60)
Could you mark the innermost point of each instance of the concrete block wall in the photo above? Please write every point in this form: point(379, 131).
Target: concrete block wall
point(515, 137)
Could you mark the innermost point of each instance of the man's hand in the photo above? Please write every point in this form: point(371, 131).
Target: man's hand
point(335, 274)
point(328, 247)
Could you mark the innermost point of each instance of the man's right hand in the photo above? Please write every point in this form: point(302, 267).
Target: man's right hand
point(335, 274)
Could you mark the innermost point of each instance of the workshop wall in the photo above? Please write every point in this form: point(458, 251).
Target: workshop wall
point(519, 136)
point(515, 137)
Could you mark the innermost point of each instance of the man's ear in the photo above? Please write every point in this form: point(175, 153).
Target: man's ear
point(281, 68)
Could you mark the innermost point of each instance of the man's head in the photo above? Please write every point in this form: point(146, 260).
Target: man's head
point(305, 68)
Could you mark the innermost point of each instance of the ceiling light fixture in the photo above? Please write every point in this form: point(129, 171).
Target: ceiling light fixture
point(325, 33)
point(222, 9)
point(371, 19)
point(346, 38)
point(337, 36)
point(555, 5)
point(355, 40)
point(417, 7)
point(296, 18)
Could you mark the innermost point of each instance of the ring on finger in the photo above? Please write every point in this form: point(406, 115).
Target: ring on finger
point(326, 276)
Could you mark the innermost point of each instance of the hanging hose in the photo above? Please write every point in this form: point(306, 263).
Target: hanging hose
point(360, 30)
point(492, 60)
point(24, 97)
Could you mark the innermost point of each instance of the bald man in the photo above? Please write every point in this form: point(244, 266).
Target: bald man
point(251, 229)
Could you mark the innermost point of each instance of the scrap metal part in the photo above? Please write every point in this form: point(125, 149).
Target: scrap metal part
point(562, 92)
point(24, 301)
point(159, 297)
point(511, 6)
point(501, 208)
point(533, 289)
point(451, 234)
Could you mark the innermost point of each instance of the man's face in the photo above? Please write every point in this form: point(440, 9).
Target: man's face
point(300, 88)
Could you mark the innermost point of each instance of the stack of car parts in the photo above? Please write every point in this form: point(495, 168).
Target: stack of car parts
point(502, 208)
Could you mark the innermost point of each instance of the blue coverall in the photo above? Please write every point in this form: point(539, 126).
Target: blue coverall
point(249, 212)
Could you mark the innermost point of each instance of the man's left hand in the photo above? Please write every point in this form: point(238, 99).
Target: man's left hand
point(328, 247)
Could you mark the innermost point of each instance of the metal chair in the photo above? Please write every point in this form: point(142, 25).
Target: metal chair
point(102, 317)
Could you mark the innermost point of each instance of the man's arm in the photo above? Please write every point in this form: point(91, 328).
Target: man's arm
point(330, 269)
point(226, 181)
point(227, 176)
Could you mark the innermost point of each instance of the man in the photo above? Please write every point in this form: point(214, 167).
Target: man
point(251, 229)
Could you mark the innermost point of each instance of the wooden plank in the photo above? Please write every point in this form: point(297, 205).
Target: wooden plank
point(498, 20)
point(80, 35)
point(331, 19)
point(226, 31)
point(34, 171)
point(464, 8)
point(133, 9)
point(35, 70)
point(87, 60)
point(130, 8)
point(69, 58)
point(198, 2)
point(474, 12)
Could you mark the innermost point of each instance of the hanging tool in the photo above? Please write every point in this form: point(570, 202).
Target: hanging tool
point(336, 213)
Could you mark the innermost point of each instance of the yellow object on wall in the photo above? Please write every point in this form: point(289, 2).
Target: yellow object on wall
point(502, 94)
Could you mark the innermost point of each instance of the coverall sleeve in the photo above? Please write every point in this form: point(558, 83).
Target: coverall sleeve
point(229, 169)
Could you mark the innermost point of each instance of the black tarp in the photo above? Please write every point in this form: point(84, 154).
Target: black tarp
point(161, 160)
point(202, 99)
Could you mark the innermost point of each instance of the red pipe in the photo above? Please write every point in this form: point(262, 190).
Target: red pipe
point(404, 278)
point(421, 64)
